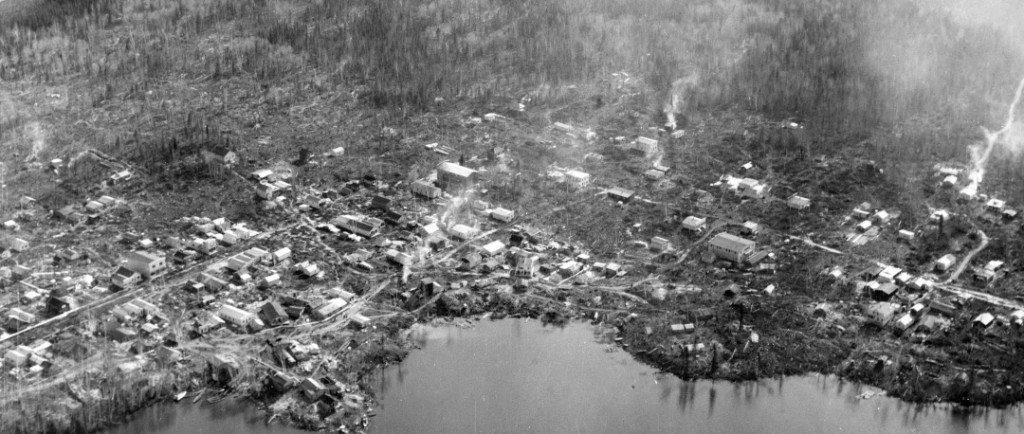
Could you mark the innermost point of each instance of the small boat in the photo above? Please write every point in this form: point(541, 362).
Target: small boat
point(199, 396)
point(180, 395)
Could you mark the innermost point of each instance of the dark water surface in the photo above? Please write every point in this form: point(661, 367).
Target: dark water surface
point(225, 417)
point(517, 376)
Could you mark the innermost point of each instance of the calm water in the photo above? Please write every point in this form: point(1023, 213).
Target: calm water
point(516, 376)
point(225, 417)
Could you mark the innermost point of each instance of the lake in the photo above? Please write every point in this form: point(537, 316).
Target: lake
point(518, 376)
point(224, 417)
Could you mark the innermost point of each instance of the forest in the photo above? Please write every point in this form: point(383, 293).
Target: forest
point(910, 80)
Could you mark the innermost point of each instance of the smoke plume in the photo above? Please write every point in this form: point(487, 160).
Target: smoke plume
point(981, 152)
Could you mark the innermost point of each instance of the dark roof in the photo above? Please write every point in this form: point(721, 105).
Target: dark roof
point(380, 202)
point(887, 288)
point(274, 309)
point(124, 272)
point(220, 151)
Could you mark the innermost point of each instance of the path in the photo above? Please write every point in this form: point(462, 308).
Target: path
point(967, 259)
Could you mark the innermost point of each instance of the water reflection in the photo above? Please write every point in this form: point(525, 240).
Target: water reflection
point(711, 400)
point(225, 417)
point(519, 376)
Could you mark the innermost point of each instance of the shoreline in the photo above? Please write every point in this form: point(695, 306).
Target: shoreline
point(118, 403)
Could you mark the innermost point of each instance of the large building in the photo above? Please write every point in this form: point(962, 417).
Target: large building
point(576, 179)
point(730, 247)
point(146, 264)
point(425, 189)
point(239, 317)
point(453, 177)
point(368, 227)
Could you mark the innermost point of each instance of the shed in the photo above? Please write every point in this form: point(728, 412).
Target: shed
point(750, 228)
point(280, 381)
point(995, 205)
point(620, 194)
point(380, 203)
point(493, 248)
point(654, 174)
point(93, 206)
point(903, 278)
point(660, 244)
point(798, 202)
point(123, 334)
point(881, 217)
point(864, 225)
point(945, 262)
point(503, 215)
point(889, 273)
point(904, 322)
point(984, 320)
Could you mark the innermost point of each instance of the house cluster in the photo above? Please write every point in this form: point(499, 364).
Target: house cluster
point(29, 361)
point(138, 322)
point(324, 393)
point(870, 223)
point(528, 256)
point(89, 211)
point(574, 132)
point(34, 296)
point(572, 179)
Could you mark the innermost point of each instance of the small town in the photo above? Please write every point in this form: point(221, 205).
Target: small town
point(197, 238)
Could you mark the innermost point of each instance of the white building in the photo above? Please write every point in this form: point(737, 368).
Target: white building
point(646, 145)
point(453, 177)
point(493, 248)
point(731, 247)
point(146, 264)
point(995, 205)
point(695, 224)
point(798, 202)
point(462, 232)
point(752, 188)
point(503, 215)
point(329, 308)
point(282, 254)
point(576, 179)
point(239, 317)
point(945, 262)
